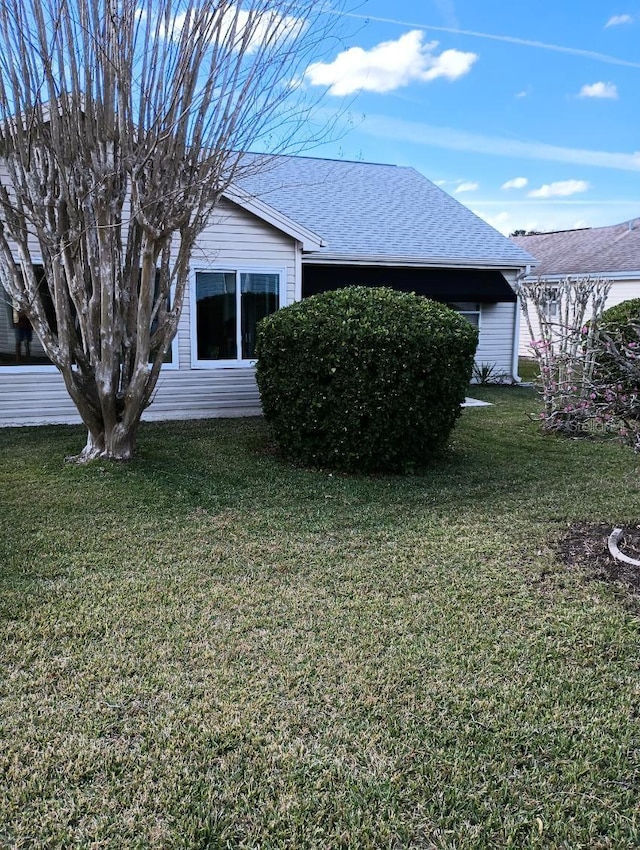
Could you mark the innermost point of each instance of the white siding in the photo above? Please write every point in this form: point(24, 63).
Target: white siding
point(34, 398)
point(41, 399)
point(235, 238)
point(621, 290)
point(495, 345)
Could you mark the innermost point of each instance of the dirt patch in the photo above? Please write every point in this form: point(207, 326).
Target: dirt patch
point(585, 547)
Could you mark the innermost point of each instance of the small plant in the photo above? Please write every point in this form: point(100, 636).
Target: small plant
point(488, 373)
point(364, 379)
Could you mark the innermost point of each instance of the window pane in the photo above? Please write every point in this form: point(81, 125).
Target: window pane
point(472, 318)
point(260, 297)
point(469, 310)
point(550, 302)
point(19, 346)
point(216, 315)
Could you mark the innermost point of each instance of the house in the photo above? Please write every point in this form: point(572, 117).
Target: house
point(299, 226)
point(610, 252)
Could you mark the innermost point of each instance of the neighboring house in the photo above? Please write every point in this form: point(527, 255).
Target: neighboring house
point(299, 227)
point(610, 252)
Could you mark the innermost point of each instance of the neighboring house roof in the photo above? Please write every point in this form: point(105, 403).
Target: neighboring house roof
point(373, 213)
point(611, 251)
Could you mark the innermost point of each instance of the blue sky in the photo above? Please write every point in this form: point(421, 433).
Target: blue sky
point(526, 113)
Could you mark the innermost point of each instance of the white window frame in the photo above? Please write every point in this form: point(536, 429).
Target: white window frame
point(465, 313)
point(238, 270)
point(50, 368)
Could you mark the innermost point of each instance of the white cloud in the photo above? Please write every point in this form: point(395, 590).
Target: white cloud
point(231, 25)
point(560, 189)
point(467, 186)
point(389, 65)
point(600, 89)
point(515, 183)
point(616, 20)
point(539, 220)
point(502, 221)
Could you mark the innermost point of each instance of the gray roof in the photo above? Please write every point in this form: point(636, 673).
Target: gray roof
point(594, 250)
point(367, 212)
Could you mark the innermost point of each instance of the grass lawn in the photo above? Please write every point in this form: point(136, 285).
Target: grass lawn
point(528, 369)
point(208, 649)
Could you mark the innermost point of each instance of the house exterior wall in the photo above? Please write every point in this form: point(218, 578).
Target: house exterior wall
point(621, 290)
point(31, 395)
point(495, 344)
point(187, 388)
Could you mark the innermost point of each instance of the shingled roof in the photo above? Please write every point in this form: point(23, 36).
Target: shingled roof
point(595, 250)
point(379, 213)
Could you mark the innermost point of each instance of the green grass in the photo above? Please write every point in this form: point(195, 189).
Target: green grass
point(528, 369)
point(206, 648)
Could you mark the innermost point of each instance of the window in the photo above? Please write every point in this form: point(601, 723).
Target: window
point(19, 345)
point(469, 310)
point(228, 306)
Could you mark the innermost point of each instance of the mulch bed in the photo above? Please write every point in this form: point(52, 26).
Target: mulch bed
point(585, 547)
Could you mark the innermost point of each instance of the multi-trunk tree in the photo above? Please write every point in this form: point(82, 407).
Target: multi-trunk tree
point(122, 122)
point(588, 357)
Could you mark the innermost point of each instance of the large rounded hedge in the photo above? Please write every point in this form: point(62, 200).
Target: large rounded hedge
point(364, 379)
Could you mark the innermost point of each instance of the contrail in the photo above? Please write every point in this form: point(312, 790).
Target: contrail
point(523, 42)
point(419, 133)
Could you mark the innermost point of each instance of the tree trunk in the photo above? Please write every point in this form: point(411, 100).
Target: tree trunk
point(117, 443)
point(111, 428)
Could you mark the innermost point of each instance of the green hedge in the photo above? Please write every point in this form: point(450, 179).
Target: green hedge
point(622, 324)
point(364, 379)
point(619, 320)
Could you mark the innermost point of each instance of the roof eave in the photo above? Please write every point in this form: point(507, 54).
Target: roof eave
point(418, 262)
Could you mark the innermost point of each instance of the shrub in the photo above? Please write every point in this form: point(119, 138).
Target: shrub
point(364, 379)
point(620, 328)
point(622, 319)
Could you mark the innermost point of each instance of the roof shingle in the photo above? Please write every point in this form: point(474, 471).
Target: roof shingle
point(594, 251)
point(365, 211)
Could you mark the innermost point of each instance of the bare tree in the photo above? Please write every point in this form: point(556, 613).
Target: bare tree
point(563, 319)
point(122, 122)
